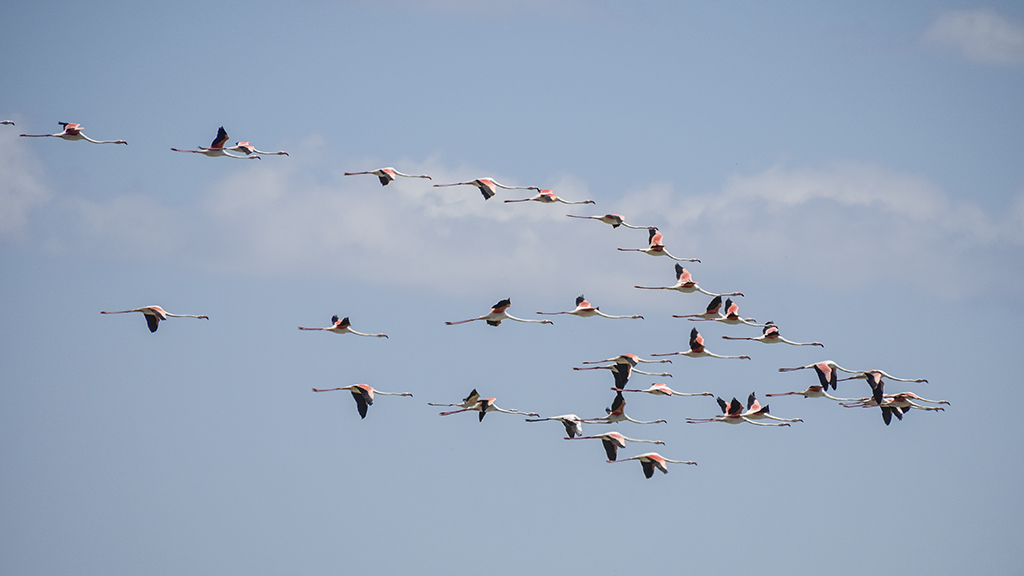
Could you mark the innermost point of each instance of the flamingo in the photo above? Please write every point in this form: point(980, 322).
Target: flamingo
point(573, 424)
point(548, 197)
point(833, 366)
point(816, 391)
point(387, 175)
point(615, 220)
point(687, 285)
point(770, 335)
point(732, 413)
point(757, 412)
point(217, 148)
point(613, 441)
point(497, 314)
point(585, 310)
point(697, 349)
point(826, 370)
point(488, 186)
point(622, 372)
point(631, 360)
point(468, 401)
point(617, 414)
point(363, 393)
point(662, 389)
point(485, 405)
point(71, 132)
point(343, 327)
point(154, 314)
point(903, 400)
point(249, 150)
point(650, 460)
point(656, 248)
point(713, 312)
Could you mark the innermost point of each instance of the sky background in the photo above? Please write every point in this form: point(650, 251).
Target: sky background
point(855, 169)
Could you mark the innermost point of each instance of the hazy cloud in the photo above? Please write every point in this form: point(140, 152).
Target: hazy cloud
point(22, 187)
point(979, 35)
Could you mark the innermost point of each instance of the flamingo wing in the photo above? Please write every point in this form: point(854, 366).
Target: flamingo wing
point(221, 139)
point(648, 468)
point(610, 449)
point(153, 321)
point(363, 401)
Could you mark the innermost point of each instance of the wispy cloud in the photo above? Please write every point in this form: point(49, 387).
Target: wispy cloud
point(979, 35)
point(840, 227)
point(22, 187)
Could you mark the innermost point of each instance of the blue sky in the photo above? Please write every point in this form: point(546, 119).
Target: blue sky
point(855, 170)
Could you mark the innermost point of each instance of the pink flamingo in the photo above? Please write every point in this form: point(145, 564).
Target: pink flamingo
point(585, 310)
point(71, 132)
point(757, 412)
point(650, 460)
point(387, 175)
point(656, 248)
point(488, 186)
point(468, 401)
point(830, 365)
point(497, 314)
point(630, 360)
point(816, 391)
point(713, 312)
point(613, 441)
point(154, 314)
point(733, 413)
point(343, 326)
point(485, 405)
point(363, 393)
point(249, 150)
point(217, 148)
point(686, 284)
point(548, 197)
point(662, 389)
point(615, 220)
point(573, 424)
point(770, 335)
point(697, 349)
point(617, 413)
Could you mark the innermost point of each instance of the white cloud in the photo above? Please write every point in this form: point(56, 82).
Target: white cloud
point(841, 227)
point(979, 35)
point(22, 187)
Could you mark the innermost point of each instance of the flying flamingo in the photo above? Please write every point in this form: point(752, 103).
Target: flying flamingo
point(573, 424)
point(468, 401)
point(154, 314)
point(833, 366)
point(621, 373)
point(217, 148)
point(656, 248)
point(617, 413)
point(732, 413)
point(249, 150)
point(548, 197)
point(903, 400)
point(72, 132)
point(613, 441)
point(662, 389)
point(686, 284)
point(697, 349)
point(498, 314)
point(585, 310)
point(631, 360)
point(343, 327)
point(650, 460)
point(485, 405)
point(757, 412)
point(488, 186)
point(816, 391)
point(770, 335)
point(615, 220)
point(387, 175)
point(363, 394)
point(713, 312)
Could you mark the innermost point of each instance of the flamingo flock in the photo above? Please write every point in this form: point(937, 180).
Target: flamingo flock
point(622, 367)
